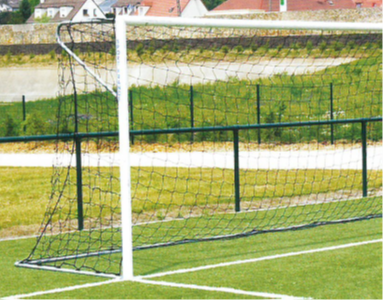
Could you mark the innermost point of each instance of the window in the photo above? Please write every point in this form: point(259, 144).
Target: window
point(359, 5)
point(85, 13)
point(95, 12)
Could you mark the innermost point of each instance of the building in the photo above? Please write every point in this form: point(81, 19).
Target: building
point(5, 7)
point(72, 10)
point(367, 3)
point(160, 8)
point(262, 6)
point(9, 5)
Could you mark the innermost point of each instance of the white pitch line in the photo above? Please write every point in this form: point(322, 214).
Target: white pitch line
point(216, 289)
point(238, 262)
point(60, 290)
point(24, 237)
point(161, 283)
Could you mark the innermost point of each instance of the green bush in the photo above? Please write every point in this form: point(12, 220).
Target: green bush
point(52, 54)
point(323, 46)
point(253, 47)
point(351, 45)
point(140, 49)
point(11, 127)
point(35, 124)
point(225, 49)
point(239, 49)
point(337, 46)
point(309, 46)
point(112, 51)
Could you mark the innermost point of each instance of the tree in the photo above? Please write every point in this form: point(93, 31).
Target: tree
point(25, 9)
point(211, 4)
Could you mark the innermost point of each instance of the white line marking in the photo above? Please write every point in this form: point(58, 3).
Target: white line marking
point(216, 289)
point(18, 238)
point(238, 262)
point(67, 289)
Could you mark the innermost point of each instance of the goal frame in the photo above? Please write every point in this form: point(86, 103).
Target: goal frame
point(123, 85)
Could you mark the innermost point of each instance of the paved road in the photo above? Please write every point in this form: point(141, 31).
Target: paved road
point(288, 160)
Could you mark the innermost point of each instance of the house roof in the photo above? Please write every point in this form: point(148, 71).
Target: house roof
point(240, 4)
point(296, 5)
point(164, 8)
point(76, 4)
point(369, 3)
point(13, 3)
point(61, 3)
point(292, 5)
point(124, 3)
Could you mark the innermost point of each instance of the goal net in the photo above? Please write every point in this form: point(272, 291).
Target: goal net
point(221, 129)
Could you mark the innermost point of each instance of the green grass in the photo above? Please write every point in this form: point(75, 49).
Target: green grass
point(176, 191)
point(348, 274)
point(357, 90)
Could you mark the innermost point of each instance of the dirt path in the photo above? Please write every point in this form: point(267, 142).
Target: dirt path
point(37, 83)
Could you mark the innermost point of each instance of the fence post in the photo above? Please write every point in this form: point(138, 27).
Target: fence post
point(236, 172)
point(364, 157)
point(332, 111)
point(131, 113)
point(24, 112)
point(192, 111)
point(80, 209)
point(259, 112)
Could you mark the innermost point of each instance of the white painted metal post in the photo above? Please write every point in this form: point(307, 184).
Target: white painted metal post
point(123, 118)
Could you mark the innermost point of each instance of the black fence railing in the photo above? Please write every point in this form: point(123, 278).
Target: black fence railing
point(77, 138)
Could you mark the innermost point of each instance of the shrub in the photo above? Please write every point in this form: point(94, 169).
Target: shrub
point(368, 45)
point(309, 46)
point(351, 45)
point(52, 54)
point(239, 49)
point(140, 49)
point(112, 51)
point(35, 124)
point(11, 128)
point(8, 55)
point(253, 47)
point(323, 46)
point(225, 49)
point(337, 46)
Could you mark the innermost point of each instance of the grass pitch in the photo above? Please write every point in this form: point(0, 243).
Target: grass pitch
point(338, 274)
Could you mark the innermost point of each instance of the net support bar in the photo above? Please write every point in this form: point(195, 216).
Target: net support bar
point(251, 24)
point(123, 115)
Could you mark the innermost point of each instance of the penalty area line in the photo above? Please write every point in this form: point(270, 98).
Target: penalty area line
point(252, 260)
point(215, 289)
point(60, 290)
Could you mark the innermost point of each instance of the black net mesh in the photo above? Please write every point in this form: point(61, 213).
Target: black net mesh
point(201, 168)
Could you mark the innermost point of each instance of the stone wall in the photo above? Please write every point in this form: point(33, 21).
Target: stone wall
point(32, 34)
point(28, 34)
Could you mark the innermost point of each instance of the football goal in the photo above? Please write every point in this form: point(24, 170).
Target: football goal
point(173, 131)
